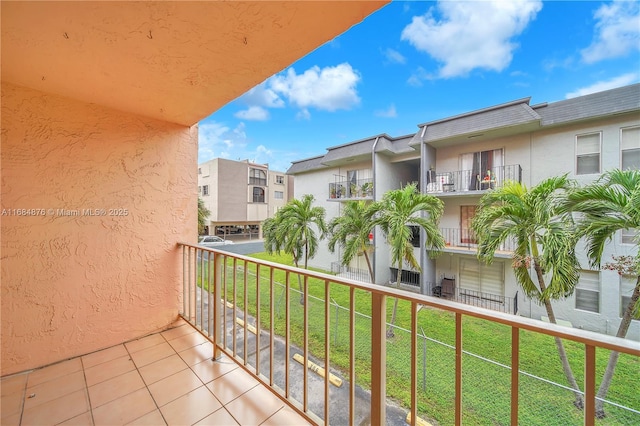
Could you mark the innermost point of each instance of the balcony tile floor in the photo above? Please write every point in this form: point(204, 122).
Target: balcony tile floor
point(166, 378)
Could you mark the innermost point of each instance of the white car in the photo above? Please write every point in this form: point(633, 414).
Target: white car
point(213, 241)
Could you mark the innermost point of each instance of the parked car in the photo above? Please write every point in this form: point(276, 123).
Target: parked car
point(213, 241)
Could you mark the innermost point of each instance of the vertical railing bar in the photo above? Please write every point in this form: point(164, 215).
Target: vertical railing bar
point(589, 385)
point(258, 319)
point(235, 305)
point(287, 336)
point(245, 298)
point(414, 363)
point(201, 289)
point(223, 295)
point(218, 303)
point(189, 285)
point(327, 352)
point(515, 374)
point(458, 392)
point(271, 326)
point(305, 344)
point(184, 280)
point(352, 355)
point(211, 283)
point(378, 358)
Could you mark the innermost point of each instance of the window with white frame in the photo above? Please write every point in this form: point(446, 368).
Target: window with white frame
point(257, 177)
point(629, 236)
point(205, 190)
point(630, 148)
point(278, 195)
point(588, 291)
point(258, 195)
point(588, 153)
point(280, 179)
point(627, 284)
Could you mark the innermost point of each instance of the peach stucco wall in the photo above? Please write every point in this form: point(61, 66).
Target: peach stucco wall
point(75, 284)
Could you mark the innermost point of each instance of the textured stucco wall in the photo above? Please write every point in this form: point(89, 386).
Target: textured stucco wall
point(75, 284)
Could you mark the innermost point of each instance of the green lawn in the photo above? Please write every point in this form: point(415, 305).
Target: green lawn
point(486, 386)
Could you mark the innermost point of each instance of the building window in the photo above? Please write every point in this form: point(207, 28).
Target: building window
point(205, 190)
point(199, 190)
point(199, 170)
point(630, 148)
point(478, 277)
point(467, 213)
point(415, 236)
point(588, 154)
point(257, 177)
point(278, 195)
point(258, 195)
point(627, 284)
point(280, 179)
point(629, 236)
point(588, 291)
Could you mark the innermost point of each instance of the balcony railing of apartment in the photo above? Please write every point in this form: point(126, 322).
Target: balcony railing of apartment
point(350, 272)
point(409, 278)
point(361, 188)
point(494, 302)
point(257, 181)
point(272, 319)
point(462, 238)
point(472, 180)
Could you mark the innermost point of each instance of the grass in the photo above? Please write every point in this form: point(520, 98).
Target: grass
point(486, 386)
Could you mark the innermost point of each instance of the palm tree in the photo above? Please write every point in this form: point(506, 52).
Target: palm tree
point(544, 240)
point(351, 231)
point(609, 205)
point(395, 214)
point(203, 213)
point(293, 230)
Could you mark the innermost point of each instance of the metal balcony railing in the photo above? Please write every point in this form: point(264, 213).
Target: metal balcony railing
point(494, 302)
point(272, 320)
point(362, 188)
point(462, 238)
point(350, 272)
point(469, 180)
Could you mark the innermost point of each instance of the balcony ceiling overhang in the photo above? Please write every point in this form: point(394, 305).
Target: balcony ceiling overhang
point(173, 61)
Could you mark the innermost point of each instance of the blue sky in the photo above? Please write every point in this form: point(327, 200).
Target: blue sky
point(413, 62)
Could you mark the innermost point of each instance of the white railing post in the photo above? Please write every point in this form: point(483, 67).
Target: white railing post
point(218, 299)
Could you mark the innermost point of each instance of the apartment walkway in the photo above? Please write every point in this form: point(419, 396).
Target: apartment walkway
point(165, 378)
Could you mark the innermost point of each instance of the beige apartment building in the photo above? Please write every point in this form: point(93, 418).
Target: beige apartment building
point(240, 195)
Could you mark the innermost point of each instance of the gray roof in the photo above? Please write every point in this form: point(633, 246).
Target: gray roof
point(504, 115)
point(614, 101)
point(306, 165)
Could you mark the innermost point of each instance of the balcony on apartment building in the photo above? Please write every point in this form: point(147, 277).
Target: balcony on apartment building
point(471, 182)
point(351, 189)
point(264, 343)
point(463, 240)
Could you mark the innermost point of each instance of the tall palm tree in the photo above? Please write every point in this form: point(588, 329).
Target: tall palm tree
point(293, 230)
point(395, 214)
point(609, 205)
point(351, 231)
point(544, 239)
point(203, 213)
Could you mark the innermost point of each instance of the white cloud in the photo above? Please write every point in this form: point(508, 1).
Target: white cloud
point(394, 56)
point(617, 31)
point(218, 140)
point(418, 76)
point(256, 113)
point(600, 86)
point(263, 96)
point(303, 114)
point(388, 113)
point(472, 34)
point(329, 88)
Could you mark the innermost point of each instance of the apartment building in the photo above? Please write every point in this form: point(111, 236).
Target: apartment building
point(460, 158)
point(240, 195)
